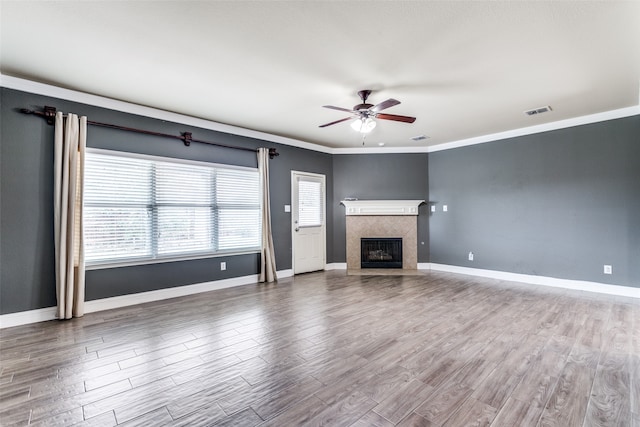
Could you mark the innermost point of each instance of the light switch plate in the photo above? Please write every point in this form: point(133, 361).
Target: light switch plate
point(445, 208)
point(287, 208)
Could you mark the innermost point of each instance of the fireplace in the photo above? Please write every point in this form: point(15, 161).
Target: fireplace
point(381, 252)
point(382, 219)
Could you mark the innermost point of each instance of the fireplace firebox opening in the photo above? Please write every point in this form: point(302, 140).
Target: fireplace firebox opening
point(381, 252)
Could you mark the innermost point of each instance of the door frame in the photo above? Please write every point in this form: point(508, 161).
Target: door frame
point(294, 207)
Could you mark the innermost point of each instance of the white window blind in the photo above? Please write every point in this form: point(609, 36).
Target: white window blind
point(310, 203)
point(118, 207)
point(144, 208)
point(237, 193)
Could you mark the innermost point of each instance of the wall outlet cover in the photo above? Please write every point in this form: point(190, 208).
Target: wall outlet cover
point(445, 208)
point(223, 265)
point(608, 269)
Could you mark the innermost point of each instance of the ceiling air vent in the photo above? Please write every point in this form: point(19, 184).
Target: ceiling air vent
point(419, 137)
point(540, 110)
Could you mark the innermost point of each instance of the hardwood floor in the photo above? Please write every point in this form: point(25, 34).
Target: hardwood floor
point(333, 349)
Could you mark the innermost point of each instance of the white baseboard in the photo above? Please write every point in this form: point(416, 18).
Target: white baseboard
point(336, 266)
point(284, 273)
point(49, 313)
point(162, 294)
point(578, 285)
point(26, 317)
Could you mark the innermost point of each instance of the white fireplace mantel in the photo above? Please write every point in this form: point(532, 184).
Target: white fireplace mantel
point(381, 207)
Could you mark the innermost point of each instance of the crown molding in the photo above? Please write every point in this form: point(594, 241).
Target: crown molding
point(127, 107)
point(545, 127)
point(530, 130)
point(380, 150)
point(16, 83)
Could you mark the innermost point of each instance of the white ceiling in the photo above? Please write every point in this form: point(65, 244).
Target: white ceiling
point(464, 69)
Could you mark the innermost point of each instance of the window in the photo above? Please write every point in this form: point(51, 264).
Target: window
point(310, 203)
point(144, 208)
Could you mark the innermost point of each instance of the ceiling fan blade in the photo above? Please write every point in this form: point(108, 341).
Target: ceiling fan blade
point(405, 119)
point(338, 108)
point(337, 121)
point(385, 104)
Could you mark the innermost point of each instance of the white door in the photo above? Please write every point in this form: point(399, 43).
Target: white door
point(308, 221)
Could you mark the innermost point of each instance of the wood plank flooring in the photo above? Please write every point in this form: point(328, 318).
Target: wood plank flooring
point(332, 349)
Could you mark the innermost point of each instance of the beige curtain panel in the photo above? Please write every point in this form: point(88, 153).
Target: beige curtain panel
point(70, 143)
point(267, 254)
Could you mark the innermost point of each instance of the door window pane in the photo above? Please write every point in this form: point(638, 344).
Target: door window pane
point(310, 203)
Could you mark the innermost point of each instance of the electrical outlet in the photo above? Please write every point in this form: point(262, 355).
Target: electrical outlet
point(433, 208)
point(445, 208)
point(470, 256)
point(608, 269)
point(223, 265)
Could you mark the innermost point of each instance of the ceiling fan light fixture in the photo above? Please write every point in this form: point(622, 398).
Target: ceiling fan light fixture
point(363, 125)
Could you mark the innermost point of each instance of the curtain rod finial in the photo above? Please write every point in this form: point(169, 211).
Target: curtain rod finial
point(273, 153)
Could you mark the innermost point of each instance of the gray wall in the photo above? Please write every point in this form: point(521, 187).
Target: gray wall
point(559, 204)
point(380, 176)
point(26, 201)
point(280, 182)
point(26, 210)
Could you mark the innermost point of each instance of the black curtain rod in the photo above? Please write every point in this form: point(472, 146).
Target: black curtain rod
point(49, 115)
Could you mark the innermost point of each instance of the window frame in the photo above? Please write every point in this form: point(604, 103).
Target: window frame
point(154, 258)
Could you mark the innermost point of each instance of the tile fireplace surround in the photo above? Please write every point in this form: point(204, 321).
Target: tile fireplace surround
point(382, 218)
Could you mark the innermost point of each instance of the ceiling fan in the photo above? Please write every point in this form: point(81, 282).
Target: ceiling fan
point(365, 113)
